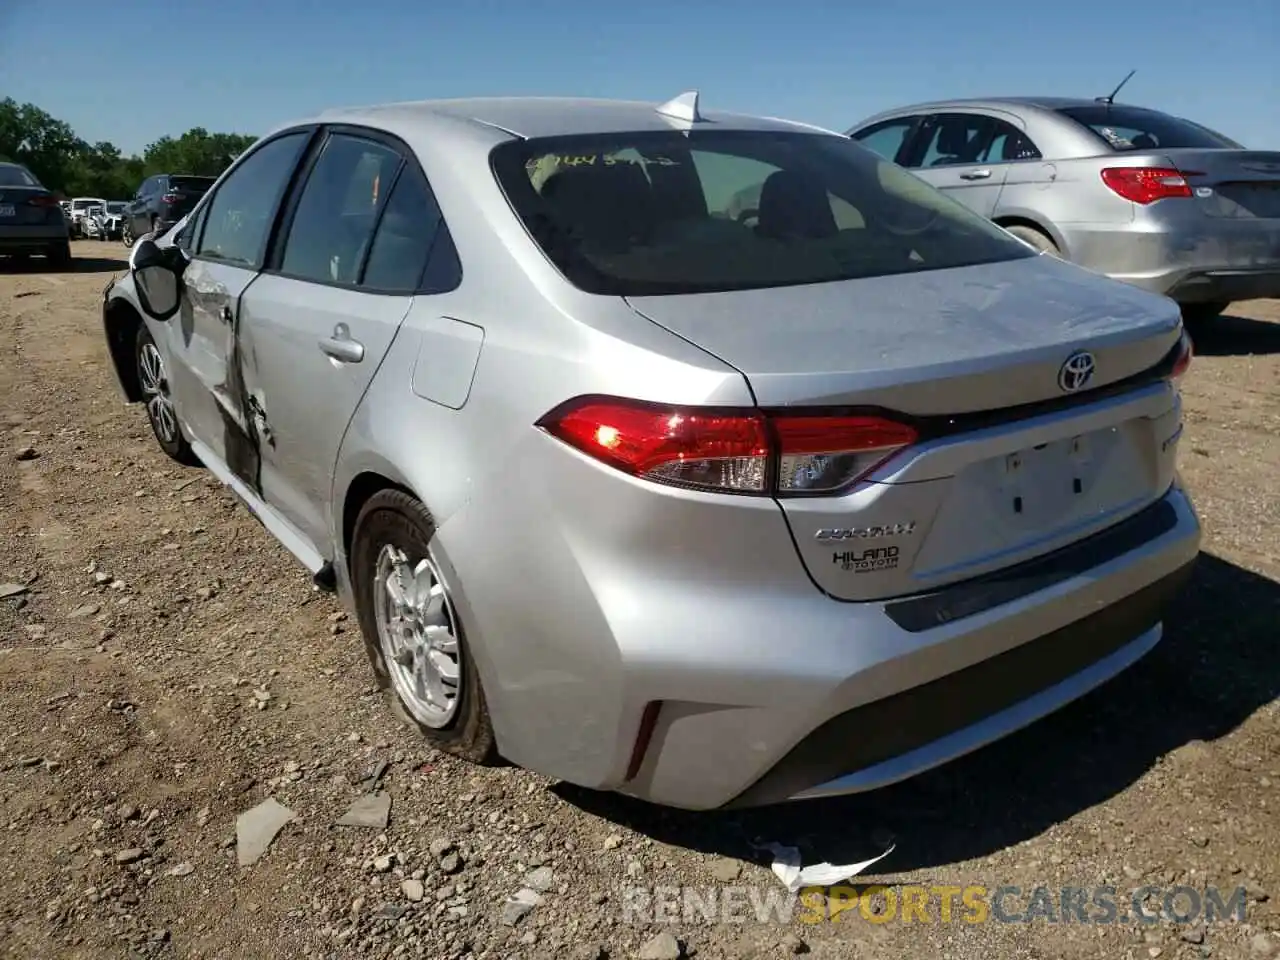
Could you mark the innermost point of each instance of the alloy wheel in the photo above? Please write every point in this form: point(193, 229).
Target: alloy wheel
point(417, 634)
point(155, 388)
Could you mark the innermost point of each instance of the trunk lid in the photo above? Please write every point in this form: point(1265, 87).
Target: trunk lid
point(979, 492)
point(16, 208)
point(1240, 184)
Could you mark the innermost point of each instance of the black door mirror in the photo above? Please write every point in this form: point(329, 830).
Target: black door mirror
point(157, 276)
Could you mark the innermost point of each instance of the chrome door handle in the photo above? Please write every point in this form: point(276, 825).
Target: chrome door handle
point(975, 175)
point(341, 347)
point(225, 313)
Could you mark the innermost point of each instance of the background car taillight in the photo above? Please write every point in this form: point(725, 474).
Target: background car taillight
point(728, 450)
point(1148, 184)
point(171, 198)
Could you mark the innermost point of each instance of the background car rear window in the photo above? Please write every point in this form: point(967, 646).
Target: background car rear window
point(1133, 128)
point(12, 175)
point(656, 213)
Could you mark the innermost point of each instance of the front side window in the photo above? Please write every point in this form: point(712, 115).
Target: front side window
point(1134, 128)
point(657, 213)
point(887, 138)
point(238, 223)
point(336, 213)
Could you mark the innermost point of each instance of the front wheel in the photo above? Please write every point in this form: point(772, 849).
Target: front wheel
point(412, 634)
point(126, 235)
point(161, 411)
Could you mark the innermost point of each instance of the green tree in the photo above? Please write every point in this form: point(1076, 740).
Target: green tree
point(196, 153)
point(69, 166)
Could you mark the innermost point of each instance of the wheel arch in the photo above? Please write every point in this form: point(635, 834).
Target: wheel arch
point(360, 491)
point(120, 323)
point(1031, 223)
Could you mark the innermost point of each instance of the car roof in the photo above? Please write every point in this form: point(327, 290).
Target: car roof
point(529, 117)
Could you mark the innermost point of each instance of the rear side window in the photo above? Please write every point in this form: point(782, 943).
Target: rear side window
point(1134, 128)
point(657, 213)
point(404, 238)
point(336, 214)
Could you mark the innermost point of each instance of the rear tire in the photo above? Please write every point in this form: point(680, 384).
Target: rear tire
point(1041, 241)
point(392, 521)
point(161, 412)
point(126, 235)
point(59, 256)
point(1194, 314)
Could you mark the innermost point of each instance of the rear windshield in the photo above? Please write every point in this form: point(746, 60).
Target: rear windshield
point(190, 184)
point(115, 206)
point(1133, 128)
point(11, 175)
point(654, 213)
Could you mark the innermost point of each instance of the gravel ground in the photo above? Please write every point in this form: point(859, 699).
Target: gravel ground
point(166, 667)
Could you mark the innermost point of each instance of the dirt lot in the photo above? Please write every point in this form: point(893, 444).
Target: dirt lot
point(169, 667)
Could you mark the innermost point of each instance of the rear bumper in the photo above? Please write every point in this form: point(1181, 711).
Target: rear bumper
point(757, 677)
point(1197, 259)
point(34, 239)
point(915, 729)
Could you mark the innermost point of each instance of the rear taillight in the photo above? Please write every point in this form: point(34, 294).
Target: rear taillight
point(1185, 352)
point(171, 198)
point(729, 450)
point(42, 201)
point(1148, 184)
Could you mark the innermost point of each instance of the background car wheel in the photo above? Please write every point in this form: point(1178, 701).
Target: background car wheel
point(126, 235)
point(160, 408)
point(59, 256)
point(1197, 313)
point(412, 635)
point(1040, 241)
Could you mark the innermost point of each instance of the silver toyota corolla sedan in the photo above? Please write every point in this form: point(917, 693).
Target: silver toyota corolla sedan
point(1152, 199)
point(707, 507)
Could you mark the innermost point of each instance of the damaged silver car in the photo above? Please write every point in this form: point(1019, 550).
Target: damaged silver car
point(654, 492)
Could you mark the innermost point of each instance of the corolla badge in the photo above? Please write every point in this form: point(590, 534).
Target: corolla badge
point(1076, 372)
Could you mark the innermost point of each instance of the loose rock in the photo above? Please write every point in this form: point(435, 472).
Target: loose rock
point(372, 811)
point(256, 828)
point(519, 904)
point(662, 947)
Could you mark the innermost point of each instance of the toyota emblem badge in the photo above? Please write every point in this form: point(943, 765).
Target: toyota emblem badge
point(1076, 371)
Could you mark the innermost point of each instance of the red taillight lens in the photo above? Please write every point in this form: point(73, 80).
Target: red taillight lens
point(710, 449)
point(1183, 363)
point(171, 197)
point(1148, 184)
point(42, 201)
point(728, 450)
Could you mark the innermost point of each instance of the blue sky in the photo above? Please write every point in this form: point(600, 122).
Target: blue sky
point(132, 71)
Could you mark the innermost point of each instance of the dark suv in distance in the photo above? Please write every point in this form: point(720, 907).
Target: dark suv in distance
point(161, 202)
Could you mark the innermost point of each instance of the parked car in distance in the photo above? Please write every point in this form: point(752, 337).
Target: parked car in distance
point(1142, 196)
point(31, 219)
point(111, 217)
point(712, 510)
point(79, 208)
point(161, 201)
